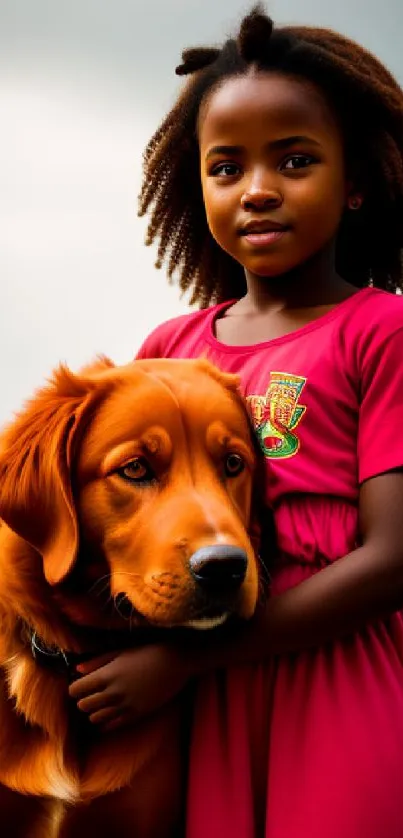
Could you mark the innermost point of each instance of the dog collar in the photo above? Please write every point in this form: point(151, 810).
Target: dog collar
point(51, 657)
point(63, 662)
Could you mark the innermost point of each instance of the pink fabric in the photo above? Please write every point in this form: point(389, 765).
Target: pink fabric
point(311, 745)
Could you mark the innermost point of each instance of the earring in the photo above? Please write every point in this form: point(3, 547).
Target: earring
point(355, 202)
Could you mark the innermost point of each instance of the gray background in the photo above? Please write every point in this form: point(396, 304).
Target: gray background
point(83, 84)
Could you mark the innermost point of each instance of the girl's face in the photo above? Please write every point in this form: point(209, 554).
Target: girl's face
point(272, 170)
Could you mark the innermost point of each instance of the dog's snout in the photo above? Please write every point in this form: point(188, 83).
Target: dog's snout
point(220, 569)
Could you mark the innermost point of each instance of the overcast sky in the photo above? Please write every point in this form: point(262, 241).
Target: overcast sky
point(83, 84)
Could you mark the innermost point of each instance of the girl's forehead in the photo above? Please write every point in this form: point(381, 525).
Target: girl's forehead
point(271, 100)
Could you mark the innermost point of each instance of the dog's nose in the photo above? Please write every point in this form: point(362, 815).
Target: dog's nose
point(220, 569)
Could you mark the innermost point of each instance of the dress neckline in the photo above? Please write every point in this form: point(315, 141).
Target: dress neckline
point(318, 323)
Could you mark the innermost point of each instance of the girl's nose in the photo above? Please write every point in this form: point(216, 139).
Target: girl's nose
point(258, 197)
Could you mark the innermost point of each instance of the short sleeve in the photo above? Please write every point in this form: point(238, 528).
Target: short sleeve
point(151, 346)
point(161, 342)
point(380, 424)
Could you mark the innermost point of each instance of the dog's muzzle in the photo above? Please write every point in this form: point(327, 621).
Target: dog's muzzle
point(218, 572)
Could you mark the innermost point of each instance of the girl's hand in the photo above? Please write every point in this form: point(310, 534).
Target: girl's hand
point(121, 688)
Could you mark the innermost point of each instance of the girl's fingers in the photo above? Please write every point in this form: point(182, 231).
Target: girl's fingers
point(86, 686)
point(95, 663)
point(93, 703)
point(102, 717)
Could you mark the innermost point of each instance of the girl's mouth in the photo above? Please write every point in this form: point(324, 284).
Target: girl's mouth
point(264, 238)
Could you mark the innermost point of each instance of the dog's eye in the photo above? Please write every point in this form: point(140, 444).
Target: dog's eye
point(138, 471)
point(234, 464)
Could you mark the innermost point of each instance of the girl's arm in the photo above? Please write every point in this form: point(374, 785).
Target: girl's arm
point(362, 587)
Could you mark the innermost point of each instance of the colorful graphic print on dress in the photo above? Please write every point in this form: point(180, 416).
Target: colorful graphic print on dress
point(277, 414)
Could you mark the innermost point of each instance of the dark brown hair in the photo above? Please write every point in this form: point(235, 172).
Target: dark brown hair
point(369, 105)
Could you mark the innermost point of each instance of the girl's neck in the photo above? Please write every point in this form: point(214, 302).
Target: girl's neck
point(316, 283)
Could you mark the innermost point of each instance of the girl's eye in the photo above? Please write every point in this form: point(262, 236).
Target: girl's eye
point(233, 465)
point(137, 471)
point(225, 169)
point(298, 161)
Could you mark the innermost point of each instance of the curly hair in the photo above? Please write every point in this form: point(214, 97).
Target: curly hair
point(368, 103)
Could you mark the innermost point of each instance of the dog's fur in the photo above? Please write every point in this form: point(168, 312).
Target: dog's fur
point(80, 528)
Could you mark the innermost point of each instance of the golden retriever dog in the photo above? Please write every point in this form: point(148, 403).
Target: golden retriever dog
point(125, 504)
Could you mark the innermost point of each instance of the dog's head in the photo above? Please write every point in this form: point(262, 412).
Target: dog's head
point(134, 486)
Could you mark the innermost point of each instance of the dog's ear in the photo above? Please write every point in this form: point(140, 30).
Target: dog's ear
point(36, 458)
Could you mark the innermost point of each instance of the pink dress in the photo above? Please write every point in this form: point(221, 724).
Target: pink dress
point(310, 745)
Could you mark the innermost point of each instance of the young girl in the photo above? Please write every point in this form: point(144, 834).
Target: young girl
point(276, 189)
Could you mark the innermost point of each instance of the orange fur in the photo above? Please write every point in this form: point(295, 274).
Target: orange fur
point(70, 521)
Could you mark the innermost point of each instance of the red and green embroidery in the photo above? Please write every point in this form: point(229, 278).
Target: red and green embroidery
point(277, 414)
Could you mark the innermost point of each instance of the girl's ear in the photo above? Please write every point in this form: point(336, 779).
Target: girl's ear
point(36, 453)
